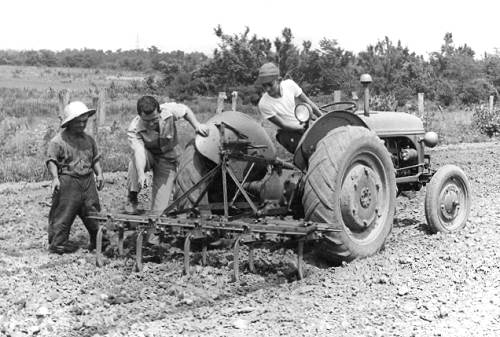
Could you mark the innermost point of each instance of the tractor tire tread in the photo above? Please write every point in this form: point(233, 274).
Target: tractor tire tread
point(320, 184)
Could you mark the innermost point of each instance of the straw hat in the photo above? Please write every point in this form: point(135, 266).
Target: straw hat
point(73, 110)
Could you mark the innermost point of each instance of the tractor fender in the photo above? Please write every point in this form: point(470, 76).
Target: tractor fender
point(240, 127)
point(318, 130)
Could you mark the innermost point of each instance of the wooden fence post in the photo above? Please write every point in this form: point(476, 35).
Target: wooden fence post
point(421, 104)
point(337, 95)
point(492, 103)
point(220, 102)
point(63, 96)
point(101, 107)
point(99, 104)
point(93, 121)
point(234, 100)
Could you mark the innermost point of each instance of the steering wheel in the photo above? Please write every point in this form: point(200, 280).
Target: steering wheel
point(348, 106)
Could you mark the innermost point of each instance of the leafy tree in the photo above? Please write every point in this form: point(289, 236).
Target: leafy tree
point(394, 70)
point(309, 69)
point(235, 62)
point(461, 72)
point(287, 54)
point(48, 58)
point(337, 69)
point(491, 69)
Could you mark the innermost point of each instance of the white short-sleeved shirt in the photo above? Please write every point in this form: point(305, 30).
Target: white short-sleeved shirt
point(283, 106)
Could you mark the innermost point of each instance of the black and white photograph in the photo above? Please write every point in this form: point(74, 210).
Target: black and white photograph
point(249, 168)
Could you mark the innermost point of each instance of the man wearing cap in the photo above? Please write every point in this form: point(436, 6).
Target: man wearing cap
point(73, 163)
point(152, 136)
point(277, 104)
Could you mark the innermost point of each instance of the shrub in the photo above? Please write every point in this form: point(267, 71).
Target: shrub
point(476, 91)
point(445, 92)
point(383, 103)
point(486, 121)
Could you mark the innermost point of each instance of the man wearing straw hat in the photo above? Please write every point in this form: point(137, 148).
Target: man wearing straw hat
point(73, 163)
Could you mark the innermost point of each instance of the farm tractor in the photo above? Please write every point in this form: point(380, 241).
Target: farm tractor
point(339, 193)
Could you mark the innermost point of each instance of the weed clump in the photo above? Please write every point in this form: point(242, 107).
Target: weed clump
point(486, 121)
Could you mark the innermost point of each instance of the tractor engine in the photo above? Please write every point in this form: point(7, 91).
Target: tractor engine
point(403, 154)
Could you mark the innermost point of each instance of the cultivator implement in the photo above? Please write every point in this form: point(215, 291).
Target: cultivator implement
point(252, 233)
point(253, 224)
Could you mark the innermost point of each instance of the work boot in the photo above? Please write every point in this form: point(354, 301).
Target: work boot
point(68, 248)
point(105, 243)
point(132, 205)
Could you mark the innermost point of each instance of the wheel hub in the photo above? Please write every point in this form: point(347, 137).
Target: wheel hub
point(359, 198)
point(450, 202)
point(365, 198)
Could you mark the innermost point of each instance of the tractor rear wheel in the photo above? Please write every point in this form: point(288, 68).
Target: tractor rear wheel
point(351, 185)
point(192, 167)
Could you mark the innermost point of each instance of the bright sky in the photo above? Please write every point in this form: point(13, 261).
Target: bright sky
point(188, 24)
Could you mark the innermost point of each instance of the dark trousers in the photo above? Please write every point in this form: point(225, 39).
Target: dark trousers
point(289, 139)
point(76, 196)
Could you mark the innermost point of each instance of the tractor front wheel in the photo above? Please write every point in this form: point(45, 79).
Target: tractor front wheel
point(351, 185)
point(447, 200)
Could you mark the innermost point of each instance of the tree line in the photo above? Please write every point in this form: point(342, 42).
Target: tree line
point(451, 75)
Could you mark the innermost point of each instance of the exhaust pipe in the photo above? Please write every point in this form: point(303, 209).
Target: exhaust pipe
point(365, 80)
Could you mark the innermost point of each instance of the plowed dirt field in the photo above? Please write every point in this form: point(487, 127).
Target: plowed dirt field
point(420, 285)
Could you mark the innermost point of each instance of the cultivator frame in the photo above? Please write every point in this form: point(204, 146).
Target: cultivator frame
point(251, 228)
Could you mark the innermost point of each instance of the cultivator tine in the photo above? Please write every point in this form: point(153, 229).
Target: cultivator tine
point(98, 247)
point(121, 236)
point(161, 238)
point(224, 190)
point(300, 258)
point(236, 259)
point(251, 265)
point(138, 251)
point(204, 253)
point(187, 248)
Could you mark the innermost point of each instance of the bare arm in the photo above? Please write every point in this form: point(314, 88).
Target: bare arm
point(98, 175)
point(303, 97)
point(284, 124)
point(139, 156)
point(199, 128)
point(52, 167)
point(97, 168)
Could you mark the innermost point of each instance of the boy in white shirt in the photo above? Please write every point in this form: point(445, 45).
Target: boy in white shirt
point(277, 104)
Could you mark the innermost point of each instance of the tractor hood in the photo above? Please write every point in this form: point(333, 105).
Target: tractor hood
point(384, 123)
point(388, 123)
